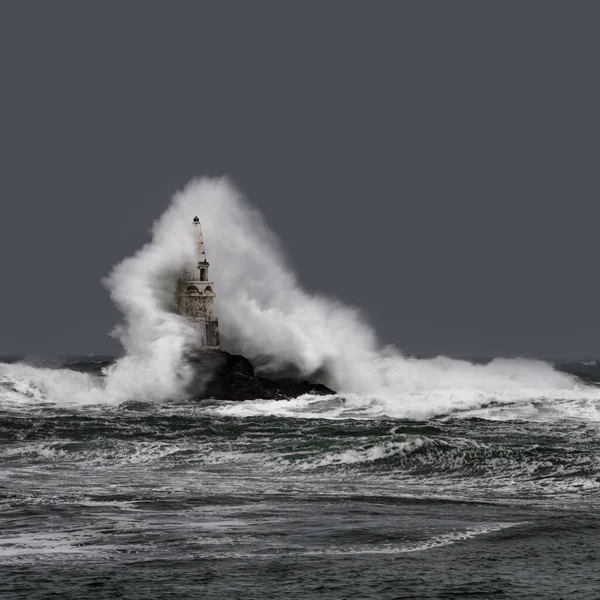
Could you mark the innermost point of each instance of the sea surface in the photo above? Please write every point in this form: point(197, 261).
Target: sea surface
point(310, 498)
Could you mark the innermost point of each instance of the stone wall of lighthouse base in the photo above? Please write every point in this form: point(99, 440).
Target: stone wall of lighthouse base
point(207, 333)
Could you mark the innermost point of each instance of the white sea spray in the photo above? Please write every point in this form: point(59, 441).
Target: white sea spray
point(266, 315)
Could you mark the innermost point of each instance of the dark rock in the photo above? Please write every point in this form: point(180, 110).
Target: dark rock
point(232, 377)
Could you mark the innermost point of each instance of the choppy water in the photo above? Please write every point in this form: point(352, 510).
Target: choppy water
point(316, 497)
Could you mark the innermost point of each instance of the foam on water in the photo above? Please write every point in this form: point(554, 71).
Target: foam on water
point(437, 541)
point(51, 544)
point(581, 402)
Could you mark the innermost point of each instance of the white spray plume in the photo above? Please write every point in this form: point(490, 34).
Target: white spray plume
point(266, 315)
point(154, 338)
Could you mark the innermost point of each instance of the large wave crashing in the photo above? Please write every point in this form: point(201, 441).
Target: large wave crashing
point(266, 315)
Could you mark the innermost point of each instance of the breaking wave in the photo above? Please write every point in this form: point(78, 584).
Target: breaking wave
point(266, 315)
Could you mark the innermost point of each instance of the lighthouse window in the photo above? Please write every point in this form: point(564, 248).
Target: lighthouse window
point(203, 276)
point(192, 288)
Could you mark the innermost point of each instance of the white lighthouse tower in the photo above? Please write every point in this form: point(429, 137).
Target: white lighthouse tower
point(195, 295)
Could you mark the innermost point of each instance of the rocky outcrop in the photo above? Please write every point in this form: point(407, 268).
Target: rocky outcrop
point(232, 377)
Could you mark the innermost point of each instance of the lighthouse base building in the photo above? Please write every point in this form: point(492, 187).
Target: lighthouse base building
point(195, 295)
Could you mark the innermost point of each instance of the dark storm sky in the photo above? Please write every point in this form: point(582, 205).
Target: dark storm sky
point(435, 163)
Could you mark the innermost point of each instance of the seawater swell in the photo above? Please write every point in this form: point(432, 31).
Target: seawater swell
point(454, 455)
point(125, 497)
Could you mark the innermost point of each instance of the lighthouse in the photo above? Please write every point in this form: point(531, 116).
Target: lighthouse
point(195, 295)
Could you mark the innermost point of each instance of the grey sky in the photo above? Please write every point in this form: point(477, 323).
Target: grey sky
point(435, 163)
